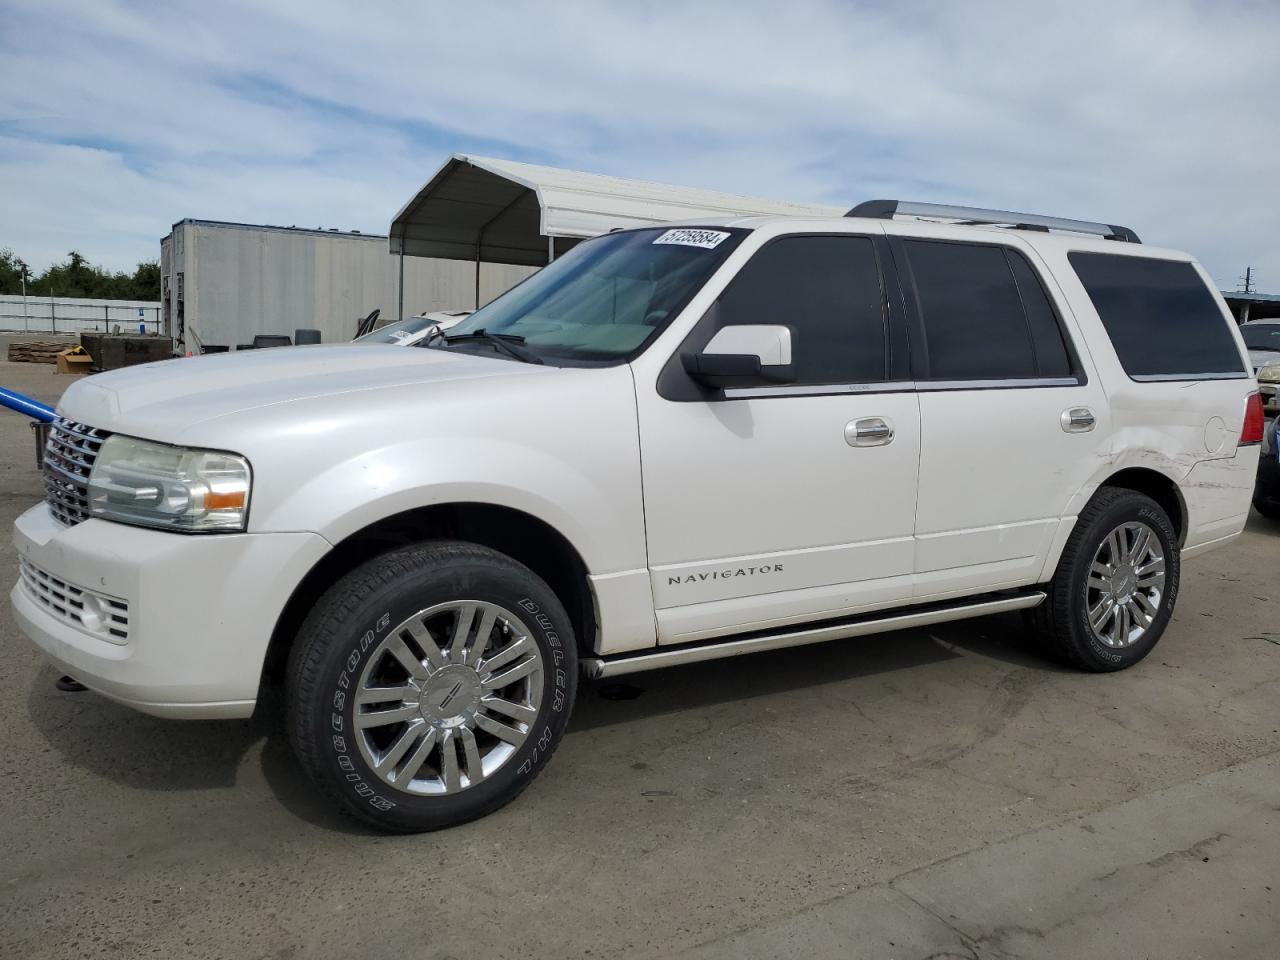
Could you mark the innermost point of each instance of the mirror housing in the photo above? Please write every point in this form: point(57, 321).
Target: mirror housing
point(748, 355)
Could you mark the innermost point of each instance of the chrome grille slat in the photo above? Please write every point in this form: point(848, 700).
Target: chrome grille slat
point(69, 456)
point(67, 602)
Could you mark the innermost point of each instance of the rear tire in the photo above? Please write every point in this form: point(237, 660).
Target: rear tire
point(431, 685)
point(1116, 584)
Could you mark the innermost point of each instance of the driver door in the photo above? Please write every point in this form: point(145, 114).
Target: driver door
point(773, 505)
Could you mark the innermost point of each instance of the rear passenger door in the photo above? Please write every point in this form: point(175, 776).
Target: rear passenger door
point(1011, 421)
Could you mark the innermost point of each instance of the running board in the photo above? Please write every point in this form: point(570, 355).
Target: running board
point(596, 667)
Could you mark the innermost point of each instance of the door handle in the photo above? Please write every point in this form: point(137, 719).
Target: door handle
point(868, 432)
point(1078, 420)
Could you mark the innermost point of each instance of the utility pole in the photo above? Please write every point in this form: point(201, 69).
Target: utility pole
point(1247, 279)
point(26, 323)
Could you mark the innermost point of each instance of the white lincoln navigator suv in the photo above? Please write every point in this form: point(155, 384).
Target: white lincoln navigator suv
point(672, 444)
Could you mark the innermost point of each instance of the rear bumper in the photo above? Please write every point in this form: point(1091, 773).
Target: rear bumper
point(199, 609)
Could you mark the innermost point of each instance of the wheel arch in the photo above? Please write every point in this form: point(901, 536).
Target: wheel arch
point(515, 533)
point(1160, 488)
point(1151, 482)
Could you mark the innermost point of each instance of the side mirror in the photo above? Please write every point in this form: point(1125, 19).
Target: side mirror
point(743, 356)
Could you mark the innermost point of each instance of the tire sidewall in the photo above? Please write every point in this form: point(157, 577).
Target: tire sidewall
point(359, 636)
point(1124, 510)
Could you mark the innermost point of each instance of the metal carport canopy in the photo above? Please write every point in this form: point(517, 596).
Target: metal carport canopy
point(502, 211)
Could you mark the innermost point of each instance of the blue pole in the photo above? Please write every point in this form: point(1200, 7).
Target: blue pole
point(25, 405)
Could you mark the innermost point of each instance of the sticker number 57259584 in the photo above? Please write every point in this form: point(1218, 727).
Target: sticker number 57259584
point(685, 237)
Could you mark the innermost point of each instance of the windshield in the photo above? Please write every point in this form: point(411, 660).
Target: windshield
point(605, 299)
point(398, 332)
point(1261, 336)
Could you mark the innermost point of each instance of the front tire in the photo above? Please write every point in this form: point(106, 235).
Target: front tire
point(431, 685)
point(1116, 584)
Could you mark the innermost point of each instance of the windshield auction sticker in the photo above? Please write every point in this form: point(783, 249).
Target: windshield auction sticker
point(706, 239)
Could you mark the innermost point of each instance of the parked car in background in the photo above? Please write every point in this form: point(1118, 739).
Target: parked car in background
point(1266, 491)
point(672, 444)
point(1262, 339)
point(411, 330)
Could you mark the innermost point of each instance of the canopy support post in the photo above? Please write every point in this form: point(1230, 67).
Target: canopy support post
point(400, 287)
point(551, 249)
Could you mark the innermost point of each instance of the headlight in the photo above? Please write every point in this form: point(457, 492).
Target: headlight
point(156, 485)
point(1270, 372)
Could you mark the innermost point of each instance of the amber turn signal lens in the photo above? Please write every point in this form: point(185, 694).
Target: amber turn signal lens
point(223, 501)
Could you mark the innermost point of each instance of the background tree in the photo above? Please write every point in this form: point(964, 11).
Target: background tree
point(11, 269)
point(77, 277)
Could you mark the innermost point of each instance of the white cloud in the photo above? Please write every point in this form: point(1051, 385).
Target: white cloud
point(1154, 115)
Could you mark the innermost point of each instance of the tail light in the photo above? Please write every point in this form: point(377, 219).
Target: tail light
point(1254, 420)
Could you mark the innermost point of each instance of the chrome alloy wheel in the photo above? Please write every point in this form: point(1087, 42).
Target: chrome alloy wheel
point(448, 697)
point(1125, 585)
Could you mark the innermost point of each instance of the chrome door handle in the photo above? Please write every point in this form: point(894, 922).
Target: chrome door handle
point(1078, 420)
point(868, 432)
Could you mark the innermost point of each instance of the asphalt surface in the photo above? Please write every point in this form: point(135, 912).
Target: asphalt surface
point(935, 793)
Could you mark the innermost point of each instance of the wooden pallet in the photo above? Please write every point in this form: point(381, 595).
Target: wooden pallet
point(37, 351)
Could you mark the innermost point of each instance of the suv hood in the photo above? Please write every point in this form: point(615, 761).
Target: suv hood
point(160, 400)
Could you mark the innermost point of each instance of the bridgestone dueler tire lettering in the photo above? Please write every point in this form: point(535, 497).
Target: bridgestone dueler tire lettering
point(348, 624)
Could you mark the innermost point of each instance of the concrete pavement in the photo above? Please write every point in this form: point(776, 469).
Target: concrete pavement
point(933, 793)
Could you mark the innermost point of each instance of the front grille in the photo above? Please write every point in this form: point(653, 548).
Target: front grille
point(68, 458)
point(96, 613)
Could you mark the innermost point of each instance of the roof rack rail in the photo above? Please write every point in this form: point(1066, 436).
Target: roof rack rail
point(888, 209)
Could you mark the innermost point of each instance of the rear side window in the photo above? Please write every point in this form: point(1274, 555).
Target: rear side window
point(985, 314)
point(1160, 316)
point(827, 289)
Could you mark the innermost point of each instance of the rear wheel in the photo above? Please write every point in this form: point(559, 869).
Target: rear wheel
point(1116, 583)
point(431, 685)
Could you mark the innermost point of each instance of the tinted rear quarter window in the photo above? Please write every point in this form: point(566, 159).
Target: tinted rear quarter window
point(1161, 318)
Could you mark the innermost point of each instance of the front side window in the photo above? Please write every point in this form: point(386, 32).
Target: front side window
point(985, 314)
point(1161, 318)
point(827, 290)
point(604, 300)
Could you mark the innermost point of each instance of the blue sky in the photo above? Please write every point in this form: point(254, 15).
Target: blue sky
point(120, 118)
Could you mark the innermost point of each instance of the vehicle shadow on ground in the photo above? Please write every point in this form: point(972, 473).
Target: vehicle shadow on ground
point(602, 703)
point(1257, 523)
point(149, 753)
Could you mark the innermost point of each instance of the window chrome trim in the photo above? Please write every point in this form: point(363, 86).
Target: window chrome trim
point(896, 386)
point(1175, 377)
point(1008, 383)
point(819, 389)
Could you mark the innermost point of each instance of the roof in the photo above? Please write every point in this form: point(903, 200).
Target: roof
point(502, 211)
point(318, 231)
point(1241, 297)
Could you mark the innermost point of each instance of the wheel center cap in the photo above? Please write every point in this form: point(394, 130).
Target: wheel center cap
point(1124, 582)
point(450, 698)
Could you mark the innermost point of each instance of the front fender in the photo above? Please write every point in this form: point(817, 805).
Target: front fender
point(595, 517)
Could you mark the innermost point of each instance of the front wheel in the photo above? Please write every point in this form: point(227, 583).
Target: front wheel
point(431, 685)
point(1116, 583)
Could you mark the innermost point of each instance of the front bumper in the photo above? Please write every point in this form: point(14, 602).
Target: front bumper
point(200, 609)
point(1269, 402)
